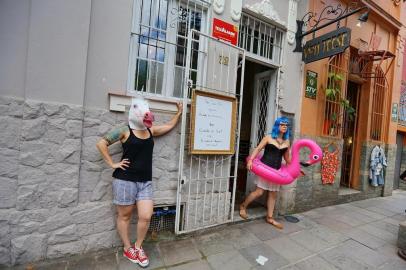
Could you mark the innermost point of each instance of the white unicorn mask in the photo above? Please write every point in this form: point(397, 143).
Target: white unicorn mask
point(139, 116)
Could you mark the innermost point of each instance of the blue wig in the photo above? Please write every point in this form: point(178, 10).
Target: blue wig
point(275, 129)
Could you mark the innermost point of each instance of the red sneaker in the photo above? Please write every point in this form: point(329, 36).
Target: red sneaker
point(131, 254)
point(141, 256)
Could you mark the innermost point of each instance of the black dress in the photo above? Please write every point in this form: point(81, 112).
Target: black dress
point(273, 156)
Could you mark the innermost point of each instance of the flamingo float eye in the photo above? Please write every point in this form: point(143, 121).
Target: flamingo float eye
point(316, 157)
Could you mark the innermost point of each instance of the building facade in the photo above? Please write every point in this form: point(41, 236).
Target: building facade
point(355, 94)
point(399, 98)
point(68, 71)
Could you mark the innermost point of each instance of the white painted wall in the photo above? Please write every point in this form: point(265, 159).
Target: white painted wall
point(280, 6)
point(109, 45)
point(76, 51)
point(292, 76)
point(44, 44)
point(14, 21)
point(57, 51)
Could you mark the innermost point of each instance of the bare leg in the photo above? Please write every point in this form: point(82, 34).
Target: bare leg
point(123, 223)
point(145, 210)
point(271, 206)
point(250, 198)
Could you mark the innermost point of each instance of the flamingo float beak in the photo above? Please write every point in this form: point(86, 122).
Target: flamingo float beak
point(305, 164)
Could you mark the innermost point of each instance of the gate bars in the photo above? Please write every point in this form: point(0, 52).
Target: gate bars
point(205, 197)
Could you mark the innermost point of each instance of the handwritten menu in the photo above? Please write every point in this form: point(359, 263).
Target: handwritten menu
point(213, 124)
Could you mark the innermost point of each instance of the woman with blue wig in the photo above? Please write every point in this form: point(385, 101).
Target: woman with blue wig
point(276, 146)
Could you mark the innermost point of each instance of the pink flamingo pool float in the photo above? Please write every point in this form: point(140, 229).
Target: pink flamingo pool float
point(288, 173)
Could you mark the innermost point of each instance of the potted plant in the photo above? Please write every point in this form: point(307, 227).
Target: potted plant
point(333, 94)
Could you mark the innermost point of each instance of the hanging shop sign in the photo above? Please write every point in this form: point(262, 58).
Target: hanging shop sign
point(225, 31)
point(311, 84)
point(327, 45)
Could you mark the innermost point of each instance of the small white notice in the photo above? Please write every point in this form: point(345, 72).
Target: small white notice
point(213, 127)
point(262, 260)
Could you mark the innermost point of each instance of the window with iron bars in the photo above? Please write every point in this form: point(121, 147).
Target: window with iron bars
point(402, 104)
point(159, 44)
point(379, 106)
point(335, 92)
point(260, 39)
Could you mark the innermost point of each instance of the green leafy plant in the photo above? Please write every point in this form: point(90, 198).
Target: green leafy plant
point(333, 93)
point(333, 88)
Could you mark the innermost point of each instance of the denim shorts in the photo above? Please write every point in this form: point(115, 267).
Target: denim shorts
point(128, 192)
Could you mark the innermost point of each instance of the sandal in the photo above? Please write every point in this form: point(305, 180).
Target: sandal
point(274, 223)
point(243, 212)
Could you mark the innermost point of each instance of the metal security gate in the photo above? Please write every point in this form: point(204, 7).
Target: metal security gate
point(207, 183)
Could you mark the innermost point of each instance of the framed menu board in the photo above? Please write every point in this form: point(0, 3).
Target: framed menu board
point(213, 123)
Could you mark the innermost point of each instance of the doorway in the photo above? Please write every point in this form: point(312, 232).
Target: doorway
point(257, 116)
point(399, 150)
point(350, 141)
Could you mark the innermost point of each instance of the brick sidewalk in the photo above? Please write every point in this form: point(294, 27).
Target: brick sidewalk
point(358, 235)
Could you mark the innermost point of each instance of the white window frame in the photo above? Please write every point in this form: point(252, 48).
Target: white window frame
point(168, 82)
point(273, 45)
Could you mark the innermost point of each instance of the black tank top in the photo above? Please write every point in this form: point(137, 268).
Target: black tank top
point(139, 153)
point(273, 156)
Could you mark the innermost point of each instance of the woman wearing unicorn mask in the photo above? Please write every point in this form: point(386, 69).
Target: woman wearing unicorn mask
point(132, 185)
point(276, 146)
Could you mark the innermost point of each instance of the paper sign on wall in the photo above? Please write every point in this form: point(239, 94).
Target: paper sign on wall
point(213, 123)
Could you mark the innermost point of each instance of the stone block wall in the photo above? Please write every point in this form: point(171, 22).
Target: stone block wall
point(309, 192)
point(403, 160)
point(55, 191)
point(390, 169)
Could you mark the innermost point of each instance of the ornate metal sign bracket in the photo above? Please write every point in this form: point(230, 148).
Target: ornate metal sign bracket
point(328, 16)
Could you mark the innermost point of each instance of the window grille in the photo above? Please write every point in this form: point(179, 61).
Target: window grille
point(336, 81)
point(163, 219)
point(158, 44)
point(263, 109)
point(260, 38)
point(379, 106)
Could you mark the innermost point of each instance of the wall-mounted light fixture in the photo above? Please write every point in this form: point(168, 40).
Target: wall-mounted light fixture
point(363, 18)
point(331, 15)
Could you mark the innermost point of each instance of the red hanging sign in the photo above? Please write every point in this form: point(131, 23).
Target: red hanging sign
point(225, 31)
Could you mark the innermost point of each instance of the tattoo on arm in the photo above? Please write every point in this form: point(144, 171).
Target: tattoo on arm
point(115, 135)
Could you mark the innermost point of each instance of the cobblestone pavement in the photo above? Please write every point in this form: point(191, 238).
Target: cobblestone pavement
point(357, 235)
